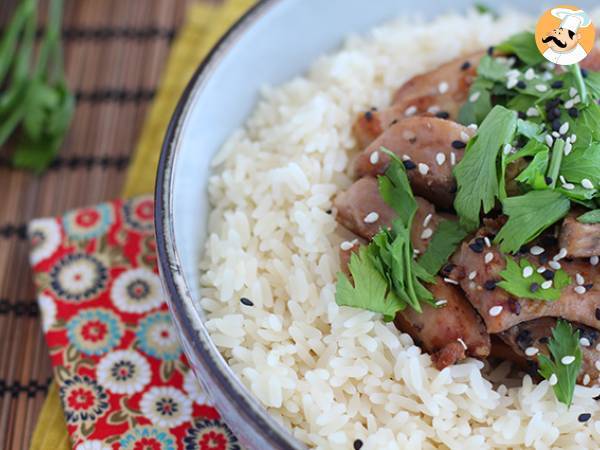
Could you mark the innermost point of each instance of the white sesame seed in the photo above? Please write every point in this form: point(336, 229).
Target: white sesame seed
point(440, 158)
point(553, 380)
point(441, 302)
point(555, 134)
point(562, 179)
point(594, 260)
point(564, 128)
point(374, 158)
point(507, 148)
point(531, 351)
point(472, 275)
point(554, 265)
point(473, 126)
point(547, 76)
point(579, 279)
point(415, 252)
point(495, 311)
point(423, 168)
point(443, 87)
point(487, 241)
point(427, 233)
point(597, 364)
point(450, 280)
point(569, 104)
point(568, 186)
point(567, 149)
point(474, 97)
point(511, 83)
point(433, 109)
point(405, 158)
point(410, 111)
point(572, 91)
point(576, 99)
point(527, 271)
point(566, 360)
point(560, 255)
point(586, 379)
point(488, 257)
point(346, 245)
point(587, 184)
point(372, 217)
point(541, 87)
point(536, 250)
point(546, 284)
point(580, 290)
point(541, 269)
point(513, 73)
point(427, 219)
point(573, 138)
point(462, 343)
point(452, 158)
point(532, 112)
point(464, 136)
point(529, 74)
point(549, 140)
point(585, 342)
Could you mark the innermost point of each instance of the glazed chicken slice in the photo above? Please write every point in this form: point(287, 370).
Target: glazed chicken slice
point(501, 311)
point(441, 91)
point(362, 199)
point(580, 239)
point(535, 334)
point(430, 147)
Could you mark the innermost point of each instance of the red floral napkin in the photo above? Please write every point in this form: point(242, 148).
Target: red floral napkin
point(123, 380)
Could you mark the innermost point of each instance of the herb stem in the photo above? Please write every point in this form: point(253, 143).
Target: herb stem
point(576, 71)
point(555, 162)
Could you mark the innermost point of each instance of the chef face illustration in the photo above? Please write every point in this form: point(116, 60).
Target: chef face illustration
point(561, 33)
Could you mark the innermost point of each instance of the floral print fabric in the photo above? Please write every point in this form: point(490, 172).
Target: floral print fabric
point(124, 382)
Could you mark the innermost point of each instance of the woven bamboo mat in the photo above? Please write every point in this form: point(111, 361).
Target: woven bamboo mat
point(115, 52)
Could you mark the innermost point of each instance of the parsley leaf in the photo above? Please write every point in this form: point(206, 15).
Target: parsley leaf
point(534, 173)
point(529, 215)
point(582, 163)
point(448, 235)
point(564, 342)
point(370, 290)
point(523, 46)
point(395, 190)
point(514, 283)
point(479, 103)
point(476, 175)
point(590, 217)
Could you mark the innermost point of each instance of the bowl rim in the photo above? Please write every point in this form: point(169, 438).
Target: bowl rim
point(177, 292)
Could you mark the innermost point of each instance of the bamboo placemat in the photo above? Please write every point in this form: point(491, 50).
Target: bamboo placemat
point(114, 52)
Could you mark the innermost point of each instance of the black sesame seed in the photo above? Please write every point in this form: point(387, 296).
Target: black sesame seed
point(521, 115)
point(357, 444)
point(490, 50)
point(465, 65)
point(534, 287)
point(458, 145)
point(557, 84)
point(489, 285)
point(584, 417)
point(548, 240)
point(597, 313)
point(524, 249)
point(409, 165)
point(548, 274)
point(588, 286)
point(544, 340)
point(556, 113)
point(543, 258)
point(369, 116)
point(551, 114)
point(477, 245)
point(447, 269)
point(574, 112)
point(393, 122)
point(556, 124)
point(453, 189)
point(329, 211)
point(521, 84)
point(524, 339)
point(442, 115)
point(548, 180)
point(246, 301)
point(584, 73)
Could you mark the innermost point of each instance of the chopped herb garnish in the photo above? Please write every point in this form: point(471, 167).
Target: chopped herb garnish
point(564, 343)
point(590, 217)
point(516, 284)
point(446, 238)
point(523, 46)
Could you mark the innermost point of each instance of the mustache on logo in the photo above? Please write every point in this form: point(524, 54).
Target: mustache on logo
point(555, 40)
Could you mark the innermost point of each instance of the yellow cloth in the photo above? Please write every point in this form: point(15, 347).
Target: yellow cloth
point(205, 24)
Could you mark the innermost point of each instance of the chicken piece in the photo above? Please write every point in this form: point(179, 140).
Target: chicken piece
point(362, 198)
point(430, 147)
point(450, 332)
point(592, 60)
point(536, 334)
point(478, 279)
point(441, 91)
point(580, 239)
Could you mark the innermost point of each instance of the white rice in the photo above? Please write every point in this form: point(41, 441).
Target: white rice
point(332, 374)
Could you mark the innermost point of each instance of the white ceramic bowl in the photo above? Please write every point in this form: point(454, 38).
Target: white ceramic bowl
point(273, 42)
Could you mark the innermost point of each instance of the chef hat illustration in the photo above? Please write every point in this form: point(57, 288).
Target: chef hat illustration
point(572, 20)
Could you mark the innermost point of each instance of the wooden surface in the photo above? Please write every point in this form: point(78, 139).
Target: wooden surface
point(115, 52)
